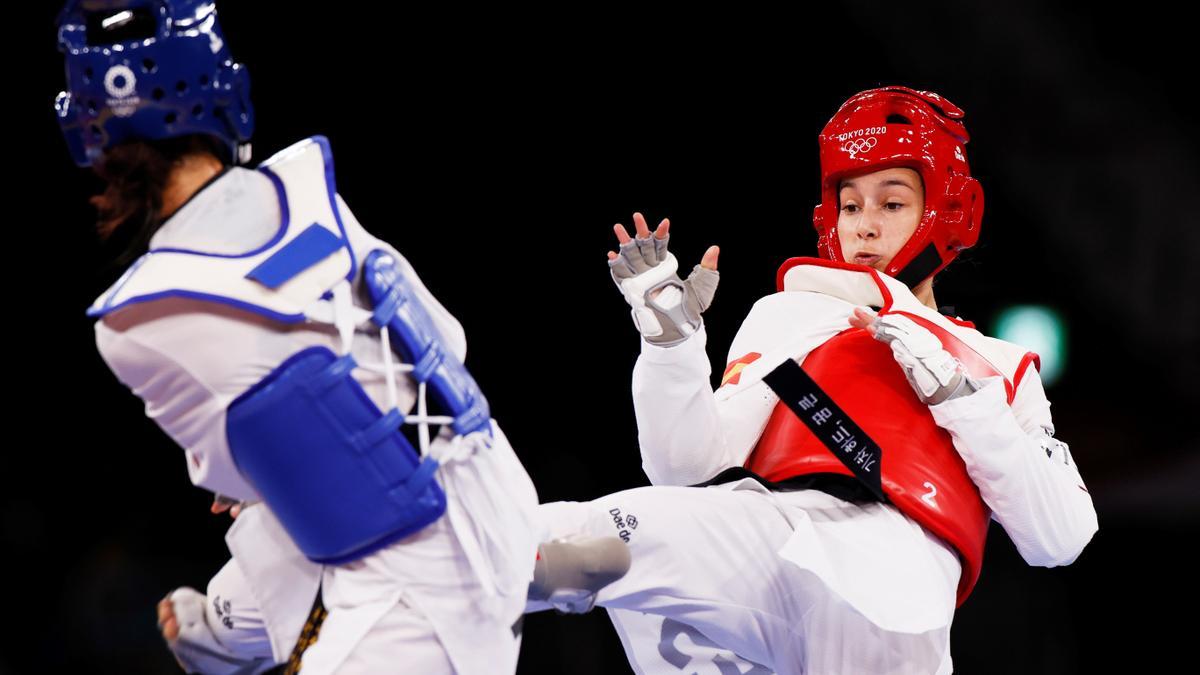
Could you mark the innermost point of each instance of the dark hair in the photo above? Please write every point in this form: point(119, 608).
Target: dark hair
point(135, 176)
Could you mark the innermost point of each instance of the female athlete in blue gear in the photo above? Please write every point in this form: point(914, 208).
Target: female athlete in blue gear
point(285, 349)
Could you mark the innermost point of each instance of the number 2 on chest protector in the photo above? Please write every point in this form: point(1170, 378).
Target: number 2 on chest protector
point(928, 496)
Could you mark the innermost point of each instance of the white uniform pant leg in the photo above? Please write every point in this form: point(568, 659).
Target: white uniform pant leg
point(883, 587)
point(838, 639)
point(708, 558)
point(658, 645)
point(841, 640)
point(701, 556)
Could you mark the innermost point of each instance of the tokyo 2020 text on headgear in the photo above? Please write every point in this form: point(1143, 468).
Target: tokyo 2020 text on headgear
point(897, 126)
point(149, 69)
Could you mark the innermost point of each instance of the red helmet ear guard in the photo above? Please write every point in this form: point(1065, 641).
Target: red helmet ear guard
point(964, 211)
point(898, 126)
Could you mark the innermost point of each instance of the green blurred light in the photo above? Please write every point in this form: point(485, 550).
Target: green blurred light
point(1041, 330)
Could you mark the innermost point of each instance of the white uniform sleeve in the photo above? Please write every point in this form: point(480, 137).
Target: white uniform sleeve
point(686, 436)
point(182, 398)
point(1026, 476)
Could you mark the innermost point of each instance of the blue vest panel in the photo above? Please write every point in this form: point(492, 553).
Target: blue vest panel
point(336, 471)
point(417, 341)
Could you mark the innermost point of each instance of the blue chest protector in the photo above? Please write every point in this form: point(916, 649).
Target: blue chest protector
point(335, 470)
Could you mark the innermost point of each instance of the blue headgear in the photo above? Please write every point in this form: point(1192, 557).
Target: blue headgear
point(149, 69)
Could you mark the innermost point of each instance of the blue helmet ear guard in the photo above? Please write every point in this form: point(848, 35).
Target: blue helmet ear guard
point(149, 70)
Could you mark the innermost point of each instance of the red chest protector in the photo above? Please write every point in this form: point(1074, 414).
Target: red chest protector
point(921, 472)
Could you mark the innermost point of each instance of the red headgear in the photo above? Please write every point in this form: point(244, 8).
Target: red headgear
point(898, 126)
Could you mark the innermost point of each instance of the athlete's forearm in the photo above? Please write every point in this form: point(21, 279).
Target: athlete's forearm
point(679, 428)
point(1030, 482)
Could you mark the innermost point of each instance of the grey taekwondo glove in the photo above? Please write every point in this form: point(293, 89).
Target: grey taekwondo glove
point(935, 375)
point(666, 309)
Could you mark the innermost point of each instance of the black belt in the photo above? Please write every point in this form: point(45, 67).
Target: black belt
point(846, 488)
point(308, 636)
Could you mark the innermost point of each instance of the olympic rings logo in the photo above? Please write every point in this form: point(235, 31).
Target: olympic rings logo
point(859, 145)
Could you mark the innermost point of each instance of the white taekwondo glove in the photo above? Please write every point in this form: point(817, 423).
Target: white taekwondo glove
point(666, 309)
point(932, 371)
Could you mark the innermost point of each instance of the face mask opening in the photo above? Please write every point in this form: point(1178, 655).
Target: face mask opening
point(127, 25)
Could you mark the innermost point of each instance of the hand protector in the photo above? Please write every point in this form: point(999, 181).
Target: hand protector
point(932, 371)
point(666, 309)
point(197, 649)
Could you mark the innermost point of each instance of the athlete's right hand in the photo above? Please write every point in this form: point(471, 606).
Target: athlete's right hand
point(167, 623)
point(666, 309)
point(189, 635)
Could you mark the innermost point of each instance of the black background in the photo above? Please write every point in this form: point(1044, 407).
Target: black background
point(495, 148)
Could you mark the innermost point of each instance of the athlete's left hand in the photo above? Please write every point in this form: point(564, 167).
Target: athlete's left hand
point(935, 375)
point(666, 309)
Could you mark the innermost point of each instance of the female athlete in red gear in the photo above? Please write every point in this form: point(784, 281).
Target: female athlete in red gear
point(848, 485)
